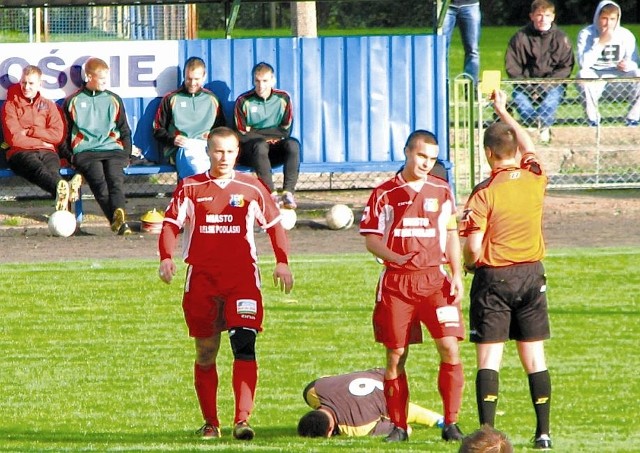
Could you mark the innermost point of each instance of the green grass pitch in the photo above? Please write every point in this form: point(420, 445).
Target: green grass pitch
point(96, 358)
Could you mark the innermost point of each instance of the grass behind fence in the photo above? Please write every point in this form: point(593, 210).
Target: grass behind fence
point(493, 41)
point(96, 357)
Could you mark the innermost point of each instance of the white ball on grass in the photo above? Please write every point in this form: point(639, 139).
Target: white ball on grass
point(288, 218)
point(62, 223)
point(339, 217)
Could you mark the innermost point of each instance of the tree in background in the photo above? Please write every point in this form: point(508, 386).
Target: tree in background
point(516, 12)
point(304, 19)
point(338, 14)
point(330, 15)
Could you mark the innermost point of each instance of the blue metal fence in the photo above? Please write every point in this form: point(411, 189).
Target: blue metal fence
point(356, 99)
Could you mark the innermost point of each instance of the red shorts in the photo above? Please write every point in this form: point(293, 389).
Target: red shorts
point(404, 300)
point(216, 300)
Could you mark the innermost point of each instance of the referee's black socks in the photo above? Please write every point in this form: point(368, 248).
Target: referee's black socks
point(540, 389)
point(487, 383)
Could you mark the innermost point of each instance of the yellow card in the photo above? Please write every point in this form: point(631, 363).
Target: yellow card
point(490, 82)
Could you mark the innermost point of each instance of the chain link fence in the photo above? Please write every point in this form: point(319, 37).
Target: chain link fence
point(96, 23)
point(162, 185)
point(586, 131)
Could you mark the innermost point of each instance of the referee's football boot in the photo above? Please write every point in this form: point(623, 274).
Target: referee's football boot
point(542, 442)
point(451, 432)
point(242, 431)
point(397, 435)
point(208, 432)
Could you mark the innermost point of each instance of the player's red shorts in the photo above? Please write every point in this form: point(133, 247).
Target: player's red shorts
point(404, 300)
point(215, 300)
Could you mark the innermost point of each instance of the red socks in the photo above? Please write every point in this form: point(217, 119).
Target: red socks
point(206, 384)
point(451, 385)
point(396, 394)
point(245, 380)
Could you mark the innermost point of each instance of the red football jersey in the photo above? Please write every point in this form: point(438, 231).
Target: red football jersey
point(412, 217)
point(218, 217)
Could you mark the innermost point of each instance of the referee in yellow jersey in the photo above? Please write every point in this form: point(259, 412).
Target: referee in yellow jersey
point(502, 224)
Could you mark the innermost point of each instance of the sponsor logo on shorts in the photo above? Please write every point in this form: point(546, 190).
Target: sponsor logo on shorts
point(448, 316)
point(246, 307)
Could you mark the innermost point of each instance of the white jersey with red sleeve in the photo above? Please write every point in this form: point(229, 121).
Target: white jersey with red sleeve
point(218, 217)
point(412, 217)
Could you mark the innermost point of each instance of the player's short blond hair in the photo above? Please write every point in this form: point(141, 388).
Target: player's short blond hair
point(94, 64)
point(194, 63)
point(222, 132)
point(262, 68)
point(30, 70)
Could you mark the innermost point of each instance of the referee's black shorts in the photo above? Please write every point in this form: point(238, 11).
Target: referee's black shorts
point(509, 303)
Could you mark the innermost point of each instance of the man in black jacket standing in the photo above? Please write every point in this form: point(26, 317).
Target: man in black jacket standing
point(539, 50)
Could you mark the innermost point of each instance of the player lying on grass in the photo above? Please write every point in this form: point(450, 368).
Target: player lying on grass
point(353, 404)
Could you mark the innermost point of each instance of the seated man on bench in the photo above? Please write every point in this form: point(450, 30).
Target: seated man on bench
point(185, 118)
point(263, 117)
point(33, 128)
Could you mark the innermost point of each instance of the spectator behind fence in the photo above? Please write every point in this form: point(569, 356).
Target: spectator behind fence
point(33, 128)
point(486, 440)
point(353, 404)
point(99, 141)
point(264, 116)
point(184, 120)
point(539, 50)
point(607, 50)
point(466, 14)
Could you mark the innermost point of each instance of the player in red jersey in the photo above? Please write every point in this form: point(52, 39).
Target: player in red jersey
point(217, 210)
point(410, 224)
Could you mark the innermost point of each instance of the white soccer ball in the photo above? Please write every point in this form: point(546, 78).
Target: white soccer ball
point(340, 217)
point(62, 223)
point(288, 218)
